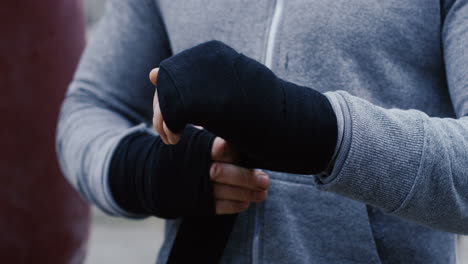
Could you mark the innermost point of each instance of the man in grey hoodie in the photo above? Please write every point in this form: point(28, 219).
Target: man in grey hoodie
point(395, 73)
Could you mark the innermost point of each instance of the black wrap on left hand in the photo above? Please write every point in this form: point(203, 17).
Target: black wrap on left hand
point(275, 124)
point(148, 177)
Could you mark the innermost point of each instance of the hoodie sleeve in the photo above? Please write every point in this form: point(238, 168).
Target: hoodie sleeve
point(110, 96)
point(404, 161)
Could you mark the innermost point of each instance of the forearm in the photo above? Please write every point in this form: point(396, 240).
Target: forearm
point(402, 161)
point(399, 160)
point(87, 135)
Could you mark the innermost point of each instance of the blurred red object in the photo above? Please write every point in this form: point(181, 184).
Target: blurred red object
point(42, 219)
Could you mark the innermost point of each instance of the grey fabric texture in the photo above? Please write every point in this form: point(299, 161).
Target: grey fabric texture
point(110, 96)
point(396, 73)
point(404, 161)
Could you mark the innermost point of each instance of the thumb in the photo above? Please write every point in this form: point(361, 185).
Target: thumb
point(153, 75)
point(223, 152)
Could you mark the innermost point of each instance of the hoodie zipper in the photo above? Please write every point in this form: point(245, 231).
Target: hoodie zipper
point(256, 234)
point(272, 33)
point(269, 63)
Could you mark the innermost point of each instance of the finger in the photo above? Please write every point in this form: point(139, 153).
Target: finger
point(158, 122)
point(239, 176)
point(172, 138)
point(222, 151)
point(153, 75)
point(233, 193)
point(230, 207)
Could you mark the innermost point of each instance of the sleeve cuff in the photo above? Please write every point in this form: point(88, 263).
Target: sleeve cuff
point(327, 176)
point(380, 153)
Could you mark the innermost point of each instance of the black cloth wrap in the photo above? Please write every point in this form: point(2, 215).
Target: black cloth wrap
point(147, 177)
point(275, 124)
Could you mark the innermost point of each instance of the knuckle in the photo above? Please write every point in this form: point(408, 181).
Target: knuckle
point(246, 179)
point(249, 178)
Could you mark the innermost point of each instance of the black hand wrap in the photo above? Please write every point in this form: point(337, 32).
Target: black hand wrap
point(275, 124)
point(150, 178)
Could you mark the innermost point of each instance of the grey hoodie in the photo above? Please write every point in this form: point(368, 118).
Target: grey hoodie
point(396, 73)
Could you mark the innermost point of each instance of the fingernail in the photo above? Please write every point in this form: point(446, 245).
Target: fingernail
point(263, 180)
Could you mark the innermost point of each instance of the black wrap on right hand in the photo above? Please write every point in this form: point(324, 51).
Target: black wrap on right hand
point(275, 124)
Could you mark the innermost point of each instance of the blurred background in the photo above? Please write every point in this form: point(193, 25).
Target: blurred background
point(43, 219)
